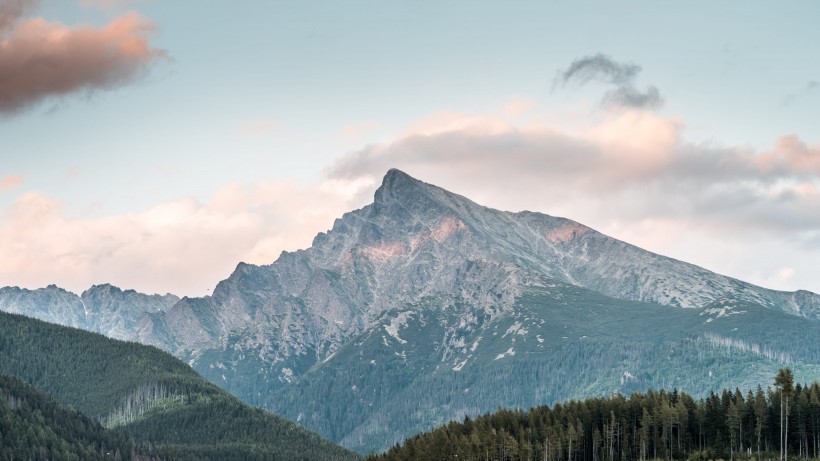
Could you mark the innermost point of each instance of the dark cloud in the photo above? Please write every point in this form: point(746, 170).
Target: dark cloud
point(602, 68)
point(629, 96)
point(812, 85)
point(41, 60)
point(12, 10)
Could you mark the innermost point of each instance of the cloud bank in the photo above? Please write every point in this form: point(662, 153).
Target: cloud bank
point(182, 246)
point(637, 157)
point(631, 175)
point(41, 59)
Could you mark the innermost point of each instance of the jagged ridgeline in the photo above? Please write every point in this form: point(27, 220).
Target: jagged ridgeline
point(159, 402)
point(652, 425)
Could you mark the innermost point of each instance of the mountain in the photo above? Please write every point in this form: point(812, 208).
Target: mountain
point(103, 309)
point(158, 401)
point(425, 306)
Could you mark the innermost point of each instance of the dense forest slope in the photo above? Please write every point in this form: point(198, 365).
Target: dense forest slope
point(150, 395)
point(653, 425)
point(34, 426)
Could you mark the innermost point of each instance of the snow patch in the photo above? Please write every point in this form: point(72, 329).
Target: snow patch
point(513, 329)
point(510, 352)
point(475, 344)
point(460, 365)
point(395, 324)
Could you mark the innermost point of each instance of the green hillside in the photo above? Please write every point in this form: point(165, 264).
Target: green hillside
point(34, 426)
point(158, 400)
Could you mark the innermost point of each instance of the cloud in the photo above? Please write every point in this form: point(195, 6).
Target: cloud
point(810, 87)
point(632, 174)
point(181, 246)
point(12, 10)
point(10, 182)
point(106, 4)
point(518, 107)
point(41, 60)
point(629, 96)
point(355, 134)
point(632, 168)
point(602, 68)
point(260, 128)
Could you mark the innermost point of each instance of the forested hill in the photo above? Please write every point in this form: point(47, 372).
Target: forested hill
point(34, 426)
point(161, 402)
point(655, 425)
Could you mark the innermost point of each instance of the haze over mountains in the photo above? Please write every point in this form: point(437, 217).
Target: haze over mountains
point(424, 306)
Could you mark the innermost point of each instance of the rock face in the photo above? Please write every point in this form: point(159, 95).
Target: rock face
point(102, 309)
point(418, 254)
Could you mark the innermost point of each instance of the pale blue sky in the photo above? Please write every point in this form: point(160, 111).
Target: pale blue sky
point(265, 91)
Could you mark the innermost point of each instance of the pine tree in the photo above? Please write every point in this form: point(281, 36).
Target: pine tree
point(784, 381)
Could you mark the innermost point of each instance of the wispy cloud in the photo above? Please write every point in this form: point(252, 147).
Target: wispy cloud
point(809, 87)
point(41, 59)
point(601, 68)
point(622, 76)
point(106, 4)
point(10, 182)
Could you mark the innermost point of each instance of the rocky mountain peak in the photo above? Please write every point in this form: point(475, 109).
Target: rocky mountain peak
point(401, 191)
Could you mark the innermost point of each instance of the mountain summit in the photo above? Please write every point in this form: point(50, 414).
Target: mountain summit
point(425, 306)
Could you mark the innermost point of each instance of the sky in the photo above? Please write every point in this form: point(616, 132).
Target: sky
point(154, 144)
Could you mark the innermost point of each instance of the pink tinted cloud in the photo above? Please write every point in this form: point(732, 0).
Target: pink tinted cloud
point(629, 165)
point(181, 246)
point(10, 182)
point(13, 10)
point(40, 59)
point(107, 4)
point(631, 174)
point(791, 155)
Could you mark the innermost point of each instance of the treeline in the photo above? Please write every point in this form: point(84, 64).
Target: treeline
point(157, 404)
point(653, 425)
point(34, 427)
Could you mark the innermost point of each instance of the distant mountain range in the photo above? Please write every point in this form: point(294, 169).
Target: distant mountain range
point(425, 306)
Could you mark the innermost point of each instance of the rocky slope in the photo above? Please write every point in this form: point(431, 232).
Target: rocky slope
point(103, 309)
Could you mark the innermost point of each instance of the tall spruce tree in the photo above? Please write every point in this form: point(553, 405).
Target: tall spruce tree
point(784, 381)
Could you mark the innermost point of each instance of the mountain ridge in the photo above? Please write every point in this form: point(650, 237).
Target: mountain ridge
point(419, 252)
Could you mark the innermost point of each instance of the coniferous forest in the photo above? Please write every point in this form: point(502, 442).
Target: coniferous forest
point(33, 426)
point(778, 423)
point(75, 395)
